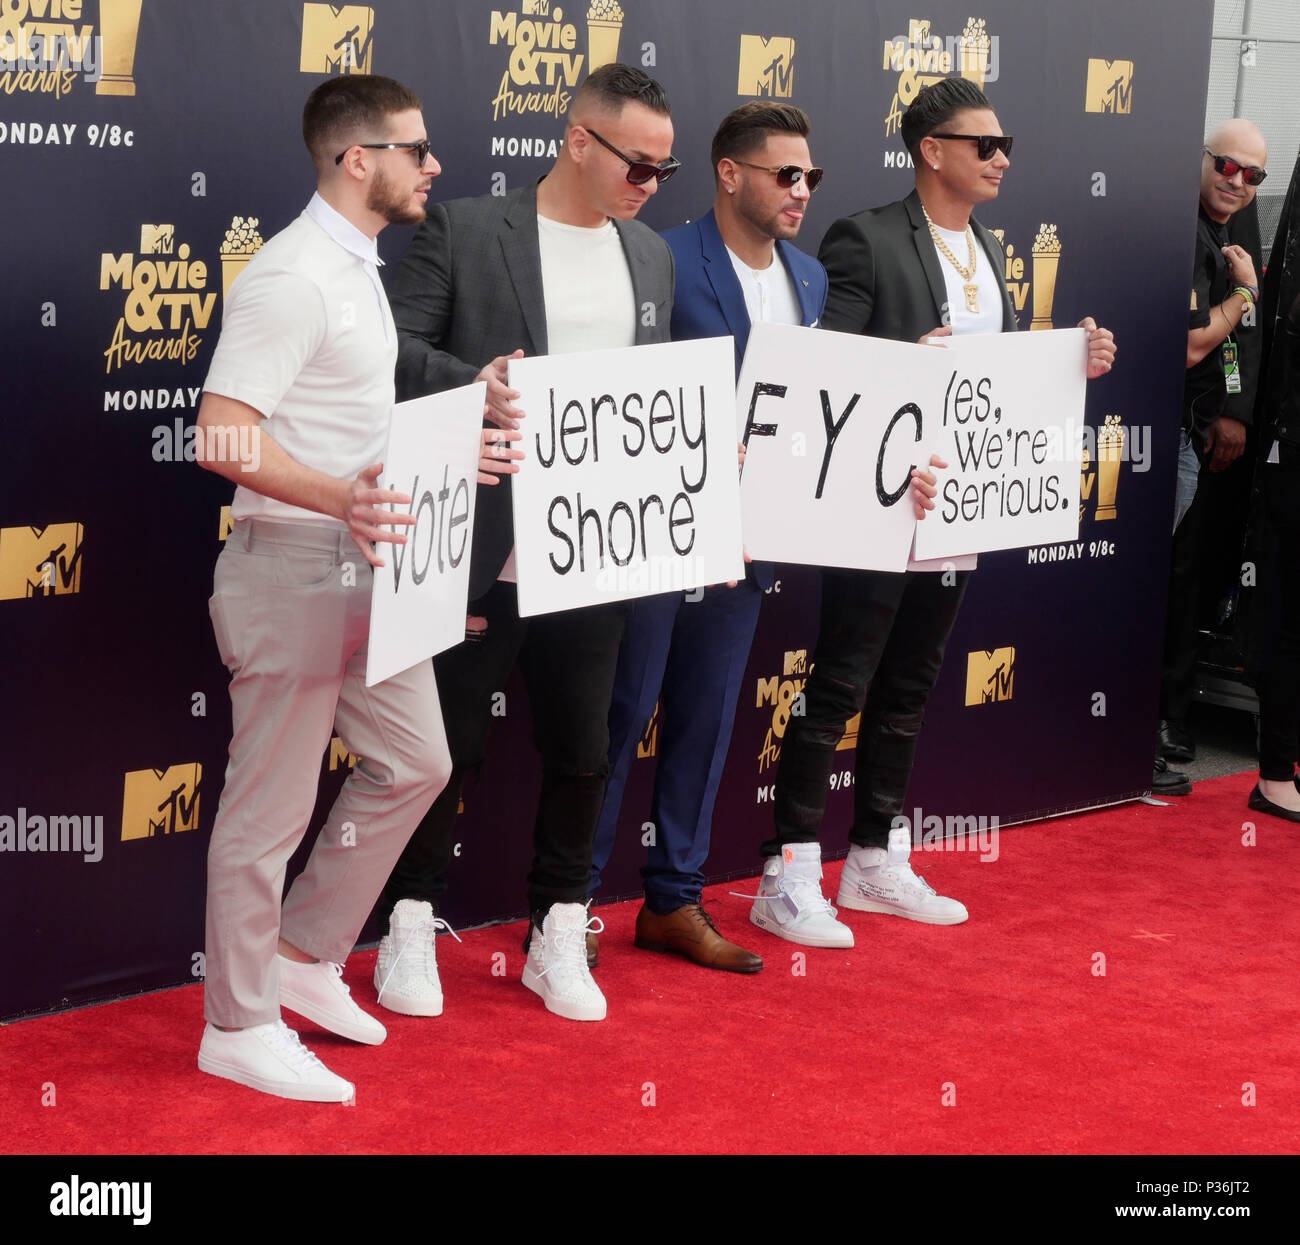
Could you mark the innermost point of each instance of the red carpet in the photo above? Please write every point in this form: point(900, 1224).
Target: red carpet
point(1003, 1014)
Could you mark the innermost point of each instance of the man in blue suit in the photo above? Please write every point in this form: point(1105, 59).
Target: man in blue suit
point(734, 266)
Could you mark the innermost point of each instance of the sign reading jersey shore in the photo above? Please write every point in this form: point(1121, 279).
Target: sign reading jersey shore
point(419, 596)
point(833, 424)
point(629, 484)
point(1009, 429)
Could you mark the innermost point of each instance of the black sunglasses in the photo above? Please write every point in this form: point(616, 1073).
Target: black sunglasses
point(640, 171)
point(421, 149)
point(988, 144)
point(788, 175)
point(1224, 167)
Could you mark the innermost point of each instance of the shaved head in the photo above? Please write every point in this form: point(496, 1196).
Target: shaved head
point(1241, 142)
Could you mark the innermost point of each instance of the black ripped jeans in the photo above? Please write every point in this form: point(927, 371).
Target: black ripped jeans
point(568, 660)
point(879, 650)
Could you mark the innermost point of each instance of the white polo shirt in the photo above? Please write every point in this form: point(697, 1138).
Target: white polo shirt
point(307, 339)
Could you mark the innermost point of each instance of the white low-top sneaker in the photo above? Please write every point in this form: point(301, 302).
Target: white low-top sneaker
point(877, 879)
point(556, 967)
point(317, 992)
point(272, 1058)
point(790, 903)
point(406, 969)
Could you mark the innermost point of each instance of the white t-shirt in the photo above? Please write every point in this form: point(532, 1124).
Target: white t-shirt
point(769, 292)
point(307, 340)
point(587, 289)
point(988, 279)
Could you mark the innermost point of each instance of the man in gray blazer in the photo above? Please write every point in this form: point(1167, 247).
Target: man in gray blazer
point(549, 268)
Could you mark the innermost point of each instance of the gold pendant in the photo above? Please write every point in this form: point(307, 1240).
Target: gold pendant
point(972, 299)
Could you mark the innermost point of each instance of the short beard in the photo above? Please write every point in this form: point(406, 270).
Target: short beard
point(383, 202)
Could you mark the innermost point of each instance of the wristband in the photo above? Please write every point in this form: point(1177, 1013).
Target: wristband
point(1249, 292)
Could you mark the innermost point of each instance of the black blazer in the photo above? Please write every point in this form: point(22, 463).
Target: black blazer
point(468, 290)
point(885, 279)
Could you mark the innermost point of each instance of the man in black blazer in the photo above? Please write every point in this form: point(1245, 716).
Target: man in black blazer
point(557, 266)
point(918, 268)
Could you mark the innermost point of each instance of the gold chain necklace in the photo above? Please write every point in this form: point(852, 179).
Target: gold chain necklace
point(967, 274)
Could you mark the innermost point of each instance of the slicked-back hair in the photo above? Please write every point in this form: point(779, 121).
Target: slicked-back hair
point(349, 109)
point(611, 87)
point(745, 129)
point(934, 106)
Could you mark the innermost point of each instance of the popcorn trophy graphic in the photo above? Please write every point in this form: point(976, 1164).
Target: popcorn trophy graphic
point(1110, 452)
point(119, 25)
point(240, 244)
point(974, 47)
point(1047, 258)
point(604, 25)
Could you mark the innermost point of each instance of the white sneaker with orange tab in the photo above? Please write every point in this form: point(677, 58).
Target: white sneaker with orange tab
point(877, 879)
point(790, 903)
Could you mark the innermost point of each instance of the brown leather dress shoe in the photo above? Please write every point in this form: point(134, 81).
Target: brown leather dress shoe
point(690, 931)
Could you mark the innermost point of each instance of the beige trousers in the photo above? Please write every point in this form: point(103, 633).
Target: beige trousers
point(291, 612)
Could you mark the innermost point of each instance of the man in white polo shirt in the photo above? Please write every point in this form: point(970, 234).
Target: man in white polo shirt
point(296, 411)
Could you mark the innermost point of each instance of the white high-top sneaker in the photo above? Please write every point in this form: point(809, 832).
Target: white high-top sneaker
point(556, 967)
point(406, 969)
point(876, 879)
point(790, 903)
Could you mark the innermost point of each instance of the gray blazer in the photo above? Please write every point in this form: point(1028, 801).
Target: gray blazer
point(468, 290)
point(885, 279)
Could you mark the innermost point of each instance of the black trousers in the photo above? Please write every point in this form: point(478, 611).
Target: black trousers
point(1278, 678)
point(1182, 617)
point(879, 650)
point(568, 662)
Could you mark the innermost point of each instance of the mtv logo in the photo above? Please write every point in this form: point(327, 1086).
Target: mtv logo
point(648, 745)
point(766, 66)
point(537, 8)
point(337, 39)
point(850, 737)
point(225, 524)
point(1110, 87)
point(157, 239)
point(918, 32)
point(40, 561)
point(796, 662)
point(340, 755)
point(156, 801)
point(989, 676)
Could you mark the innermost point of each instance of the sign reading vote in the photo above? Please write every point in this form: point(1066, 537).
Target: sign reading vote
point(833, 424)
point(629, 484)
point(1008, 426)
point(419, 597)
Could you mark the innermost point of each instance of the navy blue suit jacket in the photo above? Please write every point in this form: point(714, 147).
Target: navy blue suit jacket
point(708, 300)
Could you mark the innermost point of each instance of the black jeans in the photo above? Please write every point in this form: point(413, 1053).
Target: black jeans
point(568, 661)
point(879, 650)
point(1278, 679)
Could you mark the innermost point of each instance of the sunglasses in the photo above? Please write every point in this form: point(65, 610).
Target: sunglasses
point(1224, 167)
point(788, 175)
point(640, 171)
point(421, 149)
point(987, 144)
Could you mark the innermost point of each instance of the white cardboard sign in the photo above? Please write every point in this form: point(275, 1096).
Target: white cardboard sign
point(832, 424)
point(629, 483)
point(1008, 428)
point(419, 597)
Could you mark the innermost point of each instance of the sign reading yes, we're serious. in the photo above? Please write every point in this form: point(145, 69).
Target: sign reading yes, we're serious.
point(419, 596)
point(833, 424)
point(629, 485)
